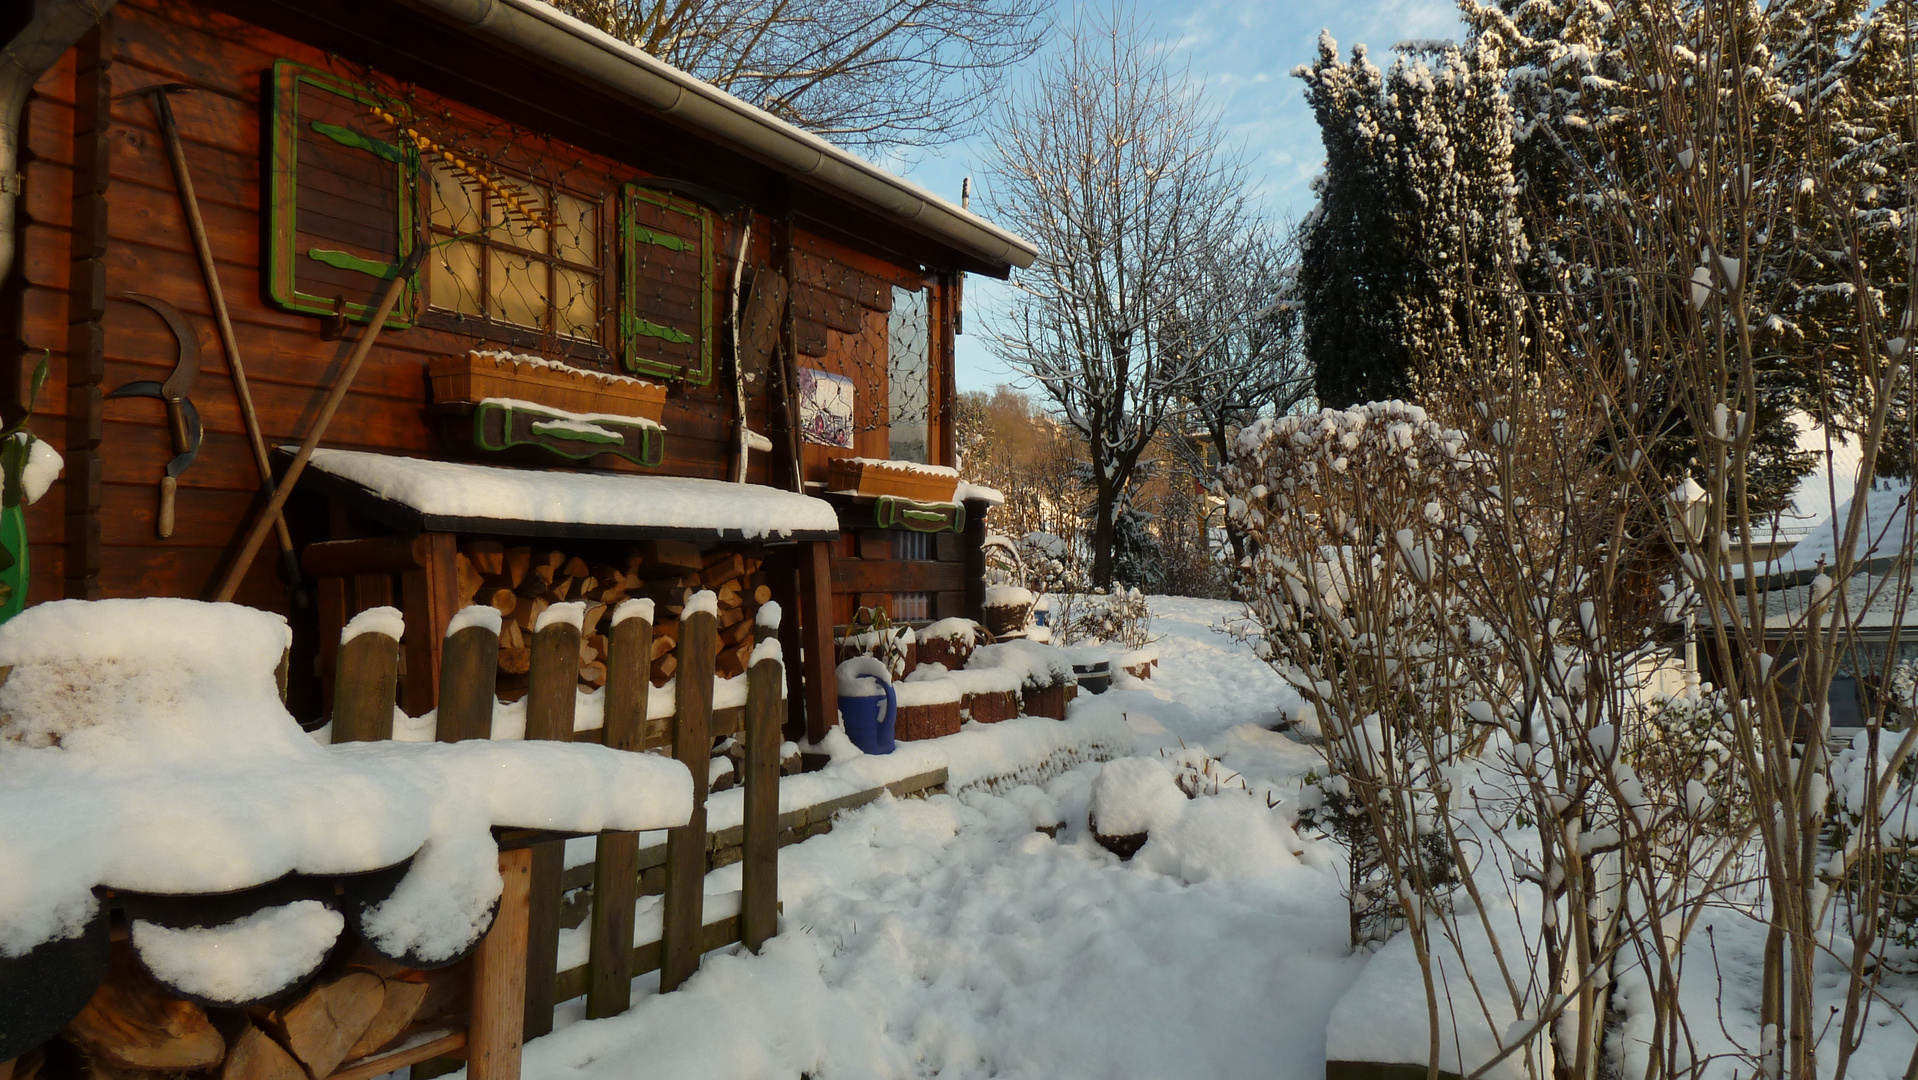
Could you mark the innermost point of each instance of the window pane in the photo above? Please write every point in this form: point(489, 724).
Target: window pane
point(505, 228)
point(454, 205)
point(909, 372)
point(453, 278)
point(575, 229)
point(519, 288)
point(577, 302)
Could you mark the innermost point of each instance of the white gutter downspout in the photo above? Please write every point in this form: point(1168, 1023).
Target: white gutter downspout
point(539, 28)
point(55, 27)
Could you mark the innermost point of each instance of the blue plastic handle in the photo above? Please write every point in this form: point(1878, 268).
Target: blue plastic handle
point(892, 702)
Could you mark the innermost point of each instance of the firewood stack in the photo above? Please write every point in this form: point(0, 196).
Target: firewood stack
point(523, 581)
point(134, 1029)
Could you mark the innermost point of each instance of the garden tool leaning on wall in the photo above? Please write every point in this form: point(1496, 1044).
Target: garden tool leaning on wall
point(182, 419)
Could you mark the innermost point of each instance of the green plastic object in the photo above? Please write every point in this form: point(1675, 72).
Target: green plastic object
point(13, 537)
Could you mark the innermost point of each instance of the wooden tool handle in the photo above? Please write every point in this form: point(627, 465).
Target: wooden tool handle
point(168, 486)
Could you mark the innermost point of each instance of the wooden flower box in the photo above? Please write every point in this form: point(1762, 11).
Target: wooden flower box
point(992, 706)
point(481, 375)
point(868, 476)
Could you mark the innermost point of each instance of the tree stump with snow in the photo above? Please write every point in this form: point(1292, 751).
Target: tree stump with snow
point(1130, 796)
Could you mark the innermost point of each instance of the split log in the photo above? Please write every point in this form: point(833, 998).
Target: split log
point(732, 635)
point(575, 567)
point(517, 560)
point(321, 1027)
point(132, 1023)
point(562, 588)
point(511, 636)
point(664, 667)
point(496, 590)
point(516, 661)
point(546, 565)
point(593, 674)
point(665, 558)
point(487, 556)
point(763, 594)
point(723, 568)
point(256, 1056)
point(467, 579)
point(662, 646)
point(401, 1004)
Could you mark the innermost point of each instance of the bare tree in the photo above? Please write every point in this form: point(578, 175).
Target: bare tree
point(1240, 325)
point(873, 74)
point(1111, 163)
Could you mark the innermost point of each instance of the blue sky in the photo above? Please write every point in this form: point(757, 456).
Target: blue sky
point(1244, 51)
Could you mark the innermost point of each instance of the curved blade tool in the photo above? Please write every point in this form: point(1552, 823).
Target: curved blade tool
point(183, 420)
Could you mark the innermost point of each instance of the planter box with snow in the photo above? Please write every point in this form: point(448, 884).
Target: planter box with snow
point(1049, 701)
point(906, 479)
point(928, 709)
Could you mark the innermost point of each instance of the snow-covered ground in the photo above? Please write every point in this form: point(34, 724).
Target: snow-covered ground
point(950, 937)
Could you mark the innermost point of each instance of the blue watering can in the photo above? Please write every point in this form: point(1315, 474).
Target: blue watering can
point(869, 720)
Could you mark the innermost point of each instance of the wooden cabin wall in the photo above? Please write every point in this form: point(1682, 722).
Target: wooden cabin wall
point(840, 297)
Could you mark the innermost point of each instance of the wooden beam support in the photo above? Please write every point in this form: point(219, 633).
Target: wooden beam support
point(686, 846)
point(975, 578)
point(86, 311)
point(759, 907)
point(896, 575)
point(815, 617)
point(494, 1033)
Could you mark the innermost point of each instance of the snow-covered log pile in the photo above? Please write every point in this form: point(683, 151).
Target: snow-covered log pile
point(144, 748)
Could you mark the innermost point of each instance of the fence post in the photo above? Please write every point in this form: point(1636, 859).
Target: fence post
point(686, 845)
point(759, 906)
point(494, 1033)
point(365, 682)
point(469, 673)
point(629, 666)
point(550, 696)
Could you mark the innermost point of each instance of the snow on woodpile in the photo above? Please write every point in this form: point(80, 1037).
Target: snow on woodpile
point(460, 490)
point(144, 747)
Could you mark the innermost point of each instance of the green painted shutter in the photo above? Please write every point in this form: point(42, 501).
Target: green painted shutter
point(342, 198)
point(666, 305)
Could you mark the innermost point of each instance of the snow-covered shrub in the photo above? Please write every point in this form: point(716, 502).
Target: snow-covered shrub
point(1118, 616)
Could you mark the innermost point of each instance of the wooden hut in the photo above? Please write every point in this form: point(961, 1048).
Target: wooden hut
point(633, 292)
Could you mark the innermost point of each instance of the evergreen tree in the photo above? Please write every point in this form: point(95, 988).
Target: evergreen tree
point(1352, 258)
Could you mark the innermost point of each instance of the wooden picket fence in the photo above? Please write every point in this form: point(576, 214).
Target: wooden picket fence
point(515, 981)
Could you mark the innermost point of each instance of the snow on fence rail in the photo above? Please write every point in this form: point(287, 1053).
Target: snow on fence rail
point(182, 697)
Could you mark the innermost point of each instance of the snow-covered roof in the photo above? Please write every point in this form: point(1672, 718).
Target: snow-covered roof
point(454, 496)
point(1871, 602)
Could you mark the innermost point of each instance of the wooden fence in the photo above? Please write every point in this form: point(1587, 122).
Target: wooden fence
point(515, 979)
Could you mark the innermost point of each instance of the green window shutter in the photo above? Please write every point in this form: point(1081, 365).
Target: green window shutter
point(666, 303)
point(341, 216)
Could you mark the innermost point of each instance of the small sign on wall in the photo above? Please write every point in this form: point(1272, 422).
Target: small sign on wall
point(825, 408)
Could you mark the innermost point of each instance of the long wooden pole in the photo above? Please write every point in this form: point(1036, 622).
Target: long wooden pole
point(264, 523)
point(196, 225)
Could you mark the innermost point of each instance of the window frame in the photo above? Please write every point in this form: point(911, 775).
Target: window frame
point(488, 326)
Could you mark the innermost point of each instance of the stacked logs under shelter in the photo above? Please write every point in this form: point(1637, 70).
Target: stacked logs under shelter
point(524, 580)
point(136, 1029)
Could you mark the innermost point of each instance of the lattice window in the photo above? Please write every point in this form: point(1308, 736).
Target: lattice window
point(909, 373)
point(497, 266)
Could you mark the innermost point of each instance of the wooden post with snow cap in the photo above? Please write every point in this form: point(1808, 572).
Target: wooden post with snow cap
point(629, 665)
point(494, 1032)
point(366, 680)
point(686, 845)
point(550, 697)
point(469, 670)
point(759, 906)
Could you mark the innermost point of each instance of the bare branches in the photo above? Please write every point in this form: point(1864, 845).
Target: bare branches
point(1114, 166)
point(871, 74)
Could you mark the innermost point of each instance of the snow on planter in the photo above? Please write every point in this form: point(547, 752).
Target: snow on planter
point(1131, 797)
point(478, 493)
point(144, 747)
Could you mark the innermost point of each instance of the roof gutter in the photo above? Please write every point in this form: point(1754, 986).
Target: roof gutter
point(541, 29)
point(55, 27)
